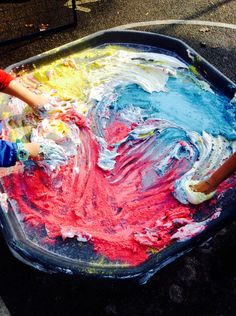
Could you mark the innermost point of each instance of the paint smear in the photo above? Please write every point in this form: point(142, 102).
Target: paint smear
point(134, 122)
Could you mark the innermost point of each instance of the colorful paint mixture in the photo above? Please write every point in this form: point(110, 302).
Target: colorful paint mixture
point(136, 125)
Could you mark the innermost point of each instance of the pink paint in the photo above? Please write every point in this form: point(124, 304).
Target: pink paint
point(112, 210)
point(116, 132)
point(121, 220)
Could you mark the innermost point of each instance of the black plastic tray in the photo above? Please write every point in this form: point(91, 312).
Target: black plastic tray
point(43, 259)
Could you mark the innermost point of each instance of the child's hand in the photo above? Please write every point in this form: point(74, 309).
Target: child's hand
point(52, 152)
point(52, 108)
point(191, 191)
point(43, 111)
point(204, 186)
point(50, 155)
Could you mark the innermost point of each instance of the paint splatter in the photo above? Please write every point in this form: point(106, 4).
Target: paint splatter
point(134, 124)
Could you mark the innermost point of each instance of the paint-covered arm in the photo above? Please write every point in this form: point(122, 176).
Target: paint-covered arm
point(15, 89)
point(33, 149)
point(221, 174)
point(41, 105)
point(5, 79)
point(196, 192)
point(47, 151)
point(9, 152)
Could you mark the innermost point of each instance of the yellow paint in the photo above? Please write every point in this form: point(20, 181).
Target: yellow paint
point(153, 251)
point(193, 69)
point(68, 77)
point(21, 133)
point(69, 83)
point(59, 127)
point(5, 115)
point(146, 134)
point(75, 78)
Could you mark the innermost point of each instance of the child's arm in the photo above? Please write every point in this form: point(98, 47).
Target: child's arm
point(33, 149)
point(45, 150)
point(10, 86)
point(196, 192)
point(221, 174)
point(8, 152)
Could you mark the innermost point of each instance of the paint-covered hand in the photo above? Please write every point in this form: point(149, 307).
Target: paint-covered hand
point(43, 111)
point(52, 155)
point(185, 193)
point(53, 108)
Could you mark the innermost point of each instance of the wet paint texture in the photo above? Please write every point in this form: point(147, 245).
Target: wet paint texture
point(146, 124)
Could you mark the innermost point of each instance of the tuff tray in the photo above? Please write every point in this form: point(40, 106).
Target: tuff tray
point(147, 246)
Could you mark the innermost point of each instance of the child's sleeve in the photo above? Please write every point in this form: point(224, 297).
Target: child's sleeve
point(8, 153)
point(5, 79)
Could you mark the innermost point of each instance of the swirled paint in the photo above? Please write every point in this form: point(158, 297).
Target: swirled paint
point(136, 124)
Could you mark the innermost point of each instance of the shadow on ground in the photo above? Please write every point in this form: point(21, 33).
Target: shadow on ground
point(201, 283)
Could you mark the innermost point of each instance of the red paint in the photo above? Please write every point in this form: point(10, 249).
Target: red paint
point(72, 116)
point(123, 220)
point(89, 204)
point(116, 132)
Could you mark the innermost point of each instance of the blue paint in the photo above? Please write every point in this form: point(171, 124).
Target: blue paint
point(184, 103)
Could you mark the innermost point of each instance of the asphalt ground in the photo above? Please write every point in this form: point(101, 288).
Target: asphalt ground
point(200, 283)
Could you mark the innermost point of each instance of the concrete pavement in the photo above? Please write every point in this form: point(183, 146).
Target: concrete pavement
point(3, 309)
point(216, 44)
